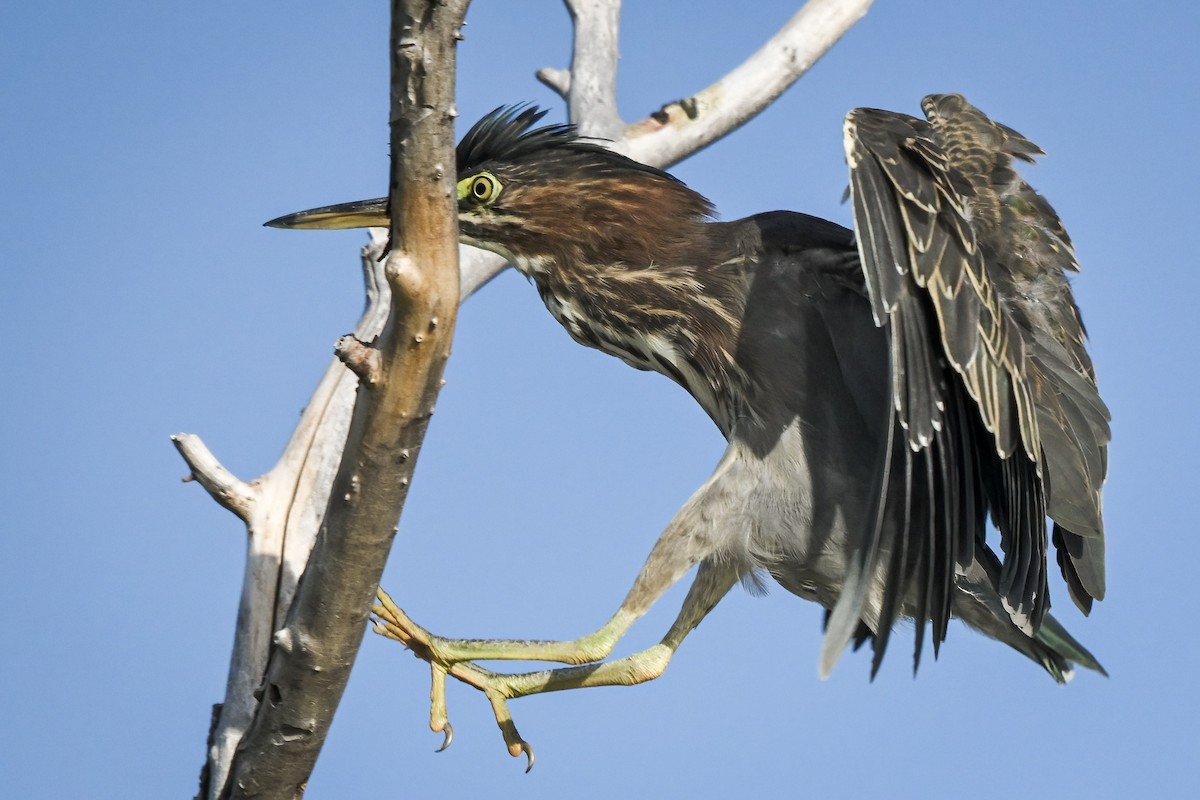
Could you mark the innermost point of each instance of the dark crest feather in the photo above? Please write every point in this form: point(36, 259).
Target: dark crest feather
point(508, 134)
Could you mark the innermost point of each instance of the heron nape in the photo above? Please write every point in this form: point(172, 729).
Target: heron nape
point(884, 391)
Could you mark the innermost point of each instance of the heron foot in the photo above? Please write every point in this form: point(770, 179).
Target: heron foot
point(393, 623)
point(455, 657)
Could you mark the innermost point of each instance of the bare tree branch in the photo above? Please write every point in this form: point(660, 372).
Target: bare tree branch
point(232, 493)
point(284, 508)
point(686, 126)
point(592, 86)
point(315, 648)
point(282, 523)
point(557, 79)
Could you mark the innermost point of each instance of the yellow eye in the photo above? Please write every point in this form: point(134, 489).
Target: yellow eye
point(483, 188)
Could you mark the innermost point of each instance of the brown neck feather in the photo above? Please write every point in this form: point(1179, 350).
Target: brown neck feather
point(648, 279)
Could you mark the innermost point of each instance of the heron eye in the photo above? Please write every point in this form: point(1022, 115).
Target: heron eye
point(482, 188)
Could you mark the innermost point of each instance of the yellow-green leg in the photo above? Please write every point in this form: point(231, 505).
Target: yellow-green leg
point(712, 582)
point(688, 540)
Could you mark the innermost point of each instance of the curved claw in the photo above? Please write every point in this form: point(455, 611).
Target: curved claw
point(395, 624)
point(448, 731)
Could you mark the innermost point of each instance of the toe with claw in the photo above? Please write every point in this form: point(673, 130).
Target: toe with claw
point(393, 623)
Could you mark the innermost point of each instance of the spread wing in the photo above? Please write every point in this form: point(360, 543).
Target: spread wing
point(995, 406)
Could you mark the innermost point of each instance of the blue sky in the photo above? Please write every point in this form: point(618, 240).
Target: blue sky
point(141, 147)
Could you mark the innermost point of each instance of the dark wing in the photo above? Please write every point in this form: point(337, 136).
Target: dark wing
point(995, 406)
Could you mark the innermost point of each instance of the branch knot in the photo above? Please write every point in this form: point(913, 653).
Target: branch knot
point(363, 359)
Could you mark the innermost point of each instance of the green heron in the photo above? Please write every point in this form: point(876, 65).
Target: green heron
point(883, 393)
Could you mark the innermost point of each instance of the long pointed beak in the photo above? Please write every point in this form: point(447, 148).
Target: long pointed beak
point(359, 214)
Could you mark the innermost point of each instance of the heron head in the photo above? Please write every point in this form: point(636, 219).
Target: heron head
point(545, 195)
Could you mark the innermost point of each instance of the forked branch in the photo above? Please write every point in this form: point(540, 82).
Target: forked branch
point(312, 652)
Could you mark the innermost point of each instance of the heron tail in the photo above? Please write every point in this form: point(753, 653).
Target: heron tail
point(979, 605)
point(1063, 651)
